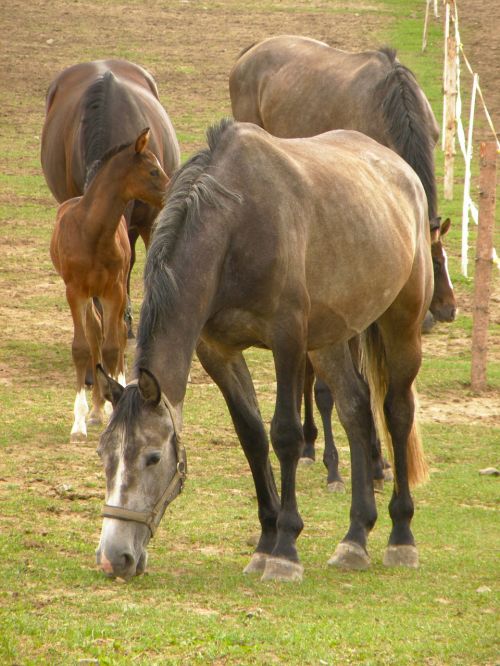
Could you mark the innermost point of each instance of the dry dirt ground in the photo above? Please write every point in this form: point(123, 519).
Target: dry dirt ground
point(189, 46)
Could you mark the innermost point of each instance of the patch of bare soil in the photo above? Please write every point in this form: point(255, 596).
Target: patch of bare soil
point(479, 25)
point(481, 409)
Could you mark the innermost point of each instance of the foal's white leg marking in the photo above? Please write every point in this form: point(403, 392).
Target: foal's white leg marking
point(80, 410)
point(446, 269)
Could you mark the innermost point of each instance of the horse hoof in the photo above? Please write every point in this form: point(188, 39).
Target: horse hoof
point(277, 568)
point(253, 540)
point(336, 487)
point(378, 485)
point(388, 474)
point(77, 437)
point(350, 555)
point(401, 556)
point(257, 564)
point(306, 461)
point(94, 420)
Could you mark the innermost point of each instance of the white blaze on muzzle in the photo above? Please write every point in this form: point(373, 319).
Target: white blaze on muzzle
point(150, 518)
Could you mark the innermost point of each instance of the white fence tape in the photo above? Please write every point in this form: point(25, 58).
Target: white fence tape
point(469, 208)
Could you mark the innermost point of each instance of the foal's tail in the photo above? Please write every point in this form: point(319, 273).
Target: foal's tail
point(406, 115)
point(374, 368)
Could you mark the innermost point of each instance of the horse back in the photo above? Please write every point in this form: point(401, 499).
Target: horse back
point(336, 218)
point(298, 87)
point(132, 96)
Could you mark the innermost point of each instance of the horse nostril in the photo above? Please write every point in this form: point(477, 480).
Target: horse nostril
point(128, 561)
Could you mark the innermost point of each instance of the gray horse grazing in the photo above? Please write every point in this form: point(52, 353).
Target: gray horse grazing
point(299, 245)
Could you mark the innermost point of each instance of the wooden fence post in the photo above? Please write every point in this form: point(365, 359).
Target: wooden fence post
point(484, 264)
point(450, 91)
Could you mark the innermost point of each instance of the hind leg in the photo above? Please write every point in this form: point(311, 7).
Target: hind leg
point(324, 402)
point(378, 462)
point(403, 356)
point(289, 352)
point(334, 365)
point(310, 429)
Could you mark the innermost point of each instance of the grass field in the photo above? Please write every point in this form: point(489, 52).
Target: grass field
point(195, 606)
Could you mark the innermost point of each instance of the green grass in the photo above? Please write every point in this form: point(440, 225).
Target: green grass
point(195, 606)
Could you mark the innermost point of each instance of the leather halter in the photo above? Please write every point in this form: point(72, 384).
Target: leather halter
point(152, 518)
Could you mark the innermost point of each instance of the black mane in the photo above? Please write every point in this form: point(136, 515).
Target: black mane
point(404, 113)
point(191, 186)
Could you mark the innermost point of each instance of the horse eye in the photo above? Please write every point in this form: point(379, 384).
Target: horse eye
point(154, 172)
point(153, 458)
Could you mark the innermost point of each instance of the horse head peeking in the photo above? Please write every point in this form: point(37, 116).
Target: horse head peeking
point(90, 250)
point(92, 107)
point(297, 247)
point(145, 479)
point(443, 305)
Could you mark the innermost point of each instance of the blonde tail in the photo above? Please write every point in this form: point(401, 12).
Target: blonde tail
point(374, 368)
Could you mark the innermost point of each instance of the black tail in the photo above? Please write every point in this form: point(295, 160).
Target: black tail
point(405, 114)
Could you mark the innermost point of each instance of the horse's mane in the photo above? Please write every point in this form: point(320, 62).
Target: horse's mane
point(97, 165)
point(95, 121)
point(405, 113)
point(191, 186)
point(247, 48)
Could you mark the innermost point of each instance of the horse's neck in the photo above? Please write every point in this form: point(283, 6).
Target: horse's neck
point(172, 340)
point(104, 205)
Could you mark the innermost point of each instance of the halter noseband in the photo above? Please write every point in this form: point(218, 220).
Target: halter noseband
point(152, 518)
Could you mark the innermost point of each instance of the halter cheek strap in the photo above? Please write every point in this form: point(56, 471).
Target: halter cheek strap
point(152, 518)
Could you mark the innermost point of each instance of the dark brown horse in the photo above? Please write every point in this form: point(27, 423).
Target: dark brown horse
point(91, 107)
point(90, 250)
point(297, 87)
point(299, 245)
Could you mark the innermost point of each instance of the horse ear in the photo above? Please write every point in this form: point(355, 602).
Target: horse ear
point(110, 389)
point(148, 387)
point(142, 140)
point(445, 227)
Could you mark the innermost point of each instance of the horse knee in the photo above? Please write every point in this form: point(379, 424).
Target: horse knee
point(323, 397)
point(287, 437)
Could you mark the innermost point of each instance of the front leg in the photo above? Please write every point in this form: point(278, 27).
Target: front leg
point(231, 375)
point(335, 366)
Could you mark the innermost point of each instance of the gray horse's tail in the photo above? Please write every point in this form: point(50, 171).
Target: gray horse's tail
point(374, 368)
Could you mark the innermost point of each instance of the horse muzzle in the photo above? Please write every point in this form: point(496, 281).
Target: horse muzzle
point(444, 313)
point(122, 549)
point(121, 563)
